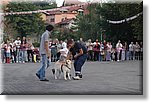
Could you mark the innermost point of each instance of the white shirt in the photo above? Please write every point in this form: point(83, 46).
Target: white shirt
point(64, 45)
point(18, 43)
point(119, 46)
point(131, 47)
point(7, 47)
point(90, 46)
point(109, 47)
point(64, 52)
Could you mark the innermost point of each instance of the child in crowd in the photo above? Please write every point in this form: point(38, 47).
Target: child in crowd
point(63, 53)
point(113, 54)
point(7, 48)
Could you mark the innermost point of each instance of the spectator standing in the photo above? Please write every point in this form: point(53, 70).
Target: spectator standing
point(59, 46)
point(23, 49)
point(30, 50)
point(126, 47)
point(90, 50)
point(63, 53)
point(119, 49)
point(14, 52)
point(82, 42)
point(7, 48)
point(109, 48)
point(123, 52)
point(105, 49)
point(101, 55)
point(131, 51)
point(54, 51)
point(113, 54)
point(96, 50)
point(137, 51)
point(18, 46)
point(11, 51)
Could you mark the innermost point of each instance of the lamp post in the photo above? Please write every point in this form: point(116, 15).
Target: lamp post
point(101, 36)
point(102, 31)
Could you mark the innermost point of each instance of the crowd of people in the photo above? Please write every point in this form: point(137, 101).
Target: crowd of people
point(106, 51)
point(22, 50)
point(17, 51)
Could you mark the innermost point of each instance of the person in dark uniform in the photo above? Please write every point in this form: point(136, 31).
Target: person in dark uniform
point(79, 53)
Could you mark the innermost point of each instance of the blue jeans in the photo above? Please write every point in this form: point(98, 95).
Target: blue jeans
point(131, 55)
point(41, 71)
point(23, 55)
point(78, 63)
point(18, 55)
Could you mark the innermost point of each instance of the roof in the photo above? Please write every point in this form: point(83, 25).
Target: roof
point(69, 10)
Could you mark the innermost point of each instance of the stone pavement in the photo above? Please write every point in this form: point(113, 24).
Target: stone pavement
point(102, 78)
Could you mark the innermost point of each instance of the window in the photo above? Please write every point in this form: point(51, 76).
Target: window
point(52, 20)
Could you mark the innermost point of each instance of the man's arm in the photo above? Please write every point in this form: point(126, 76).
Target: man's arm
point(47, 49)
point(79, 54)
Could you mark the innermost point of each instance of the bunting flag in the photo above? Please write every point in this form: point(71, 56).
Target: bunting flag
point(125, 20)
point(67, 7)
point(39, 11)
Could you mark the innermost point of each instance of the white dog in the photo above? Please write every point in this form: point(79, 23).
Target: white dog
point(65, 68)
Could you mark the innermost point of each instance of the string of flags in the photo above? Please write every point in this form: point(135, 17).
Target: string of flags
point(125, 20)
point(39, 11)
point(67, 7)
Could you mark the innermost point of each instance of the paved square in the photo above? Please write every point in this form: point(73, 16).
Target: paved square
point(98, 78)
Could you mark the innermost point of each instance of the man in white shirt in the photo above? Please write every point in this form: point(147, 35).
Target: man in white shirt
point(119, 49)
point(18, 46)
point(131, 51)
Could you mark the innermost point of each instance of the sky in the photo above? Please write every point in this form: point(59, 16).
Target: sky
point(60, 2)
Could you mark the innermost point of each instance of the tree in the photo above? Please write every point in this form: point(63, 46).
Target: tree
point(86, 25)
point(123, 31)
point(29, 24)
point(95, 23)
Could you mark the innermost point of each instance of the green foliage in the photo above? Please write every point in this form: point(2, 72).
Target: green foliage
point(45, 5)
point(29, 24)
point(36, 44)
point(87, 25)
point(63, 34)
point(95, 23)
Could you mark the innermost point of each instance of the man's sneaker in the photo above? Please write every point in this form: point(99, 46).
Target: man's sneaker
point(38, 75)
point(80, 75)
point(44, 80)
point(76, 78)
